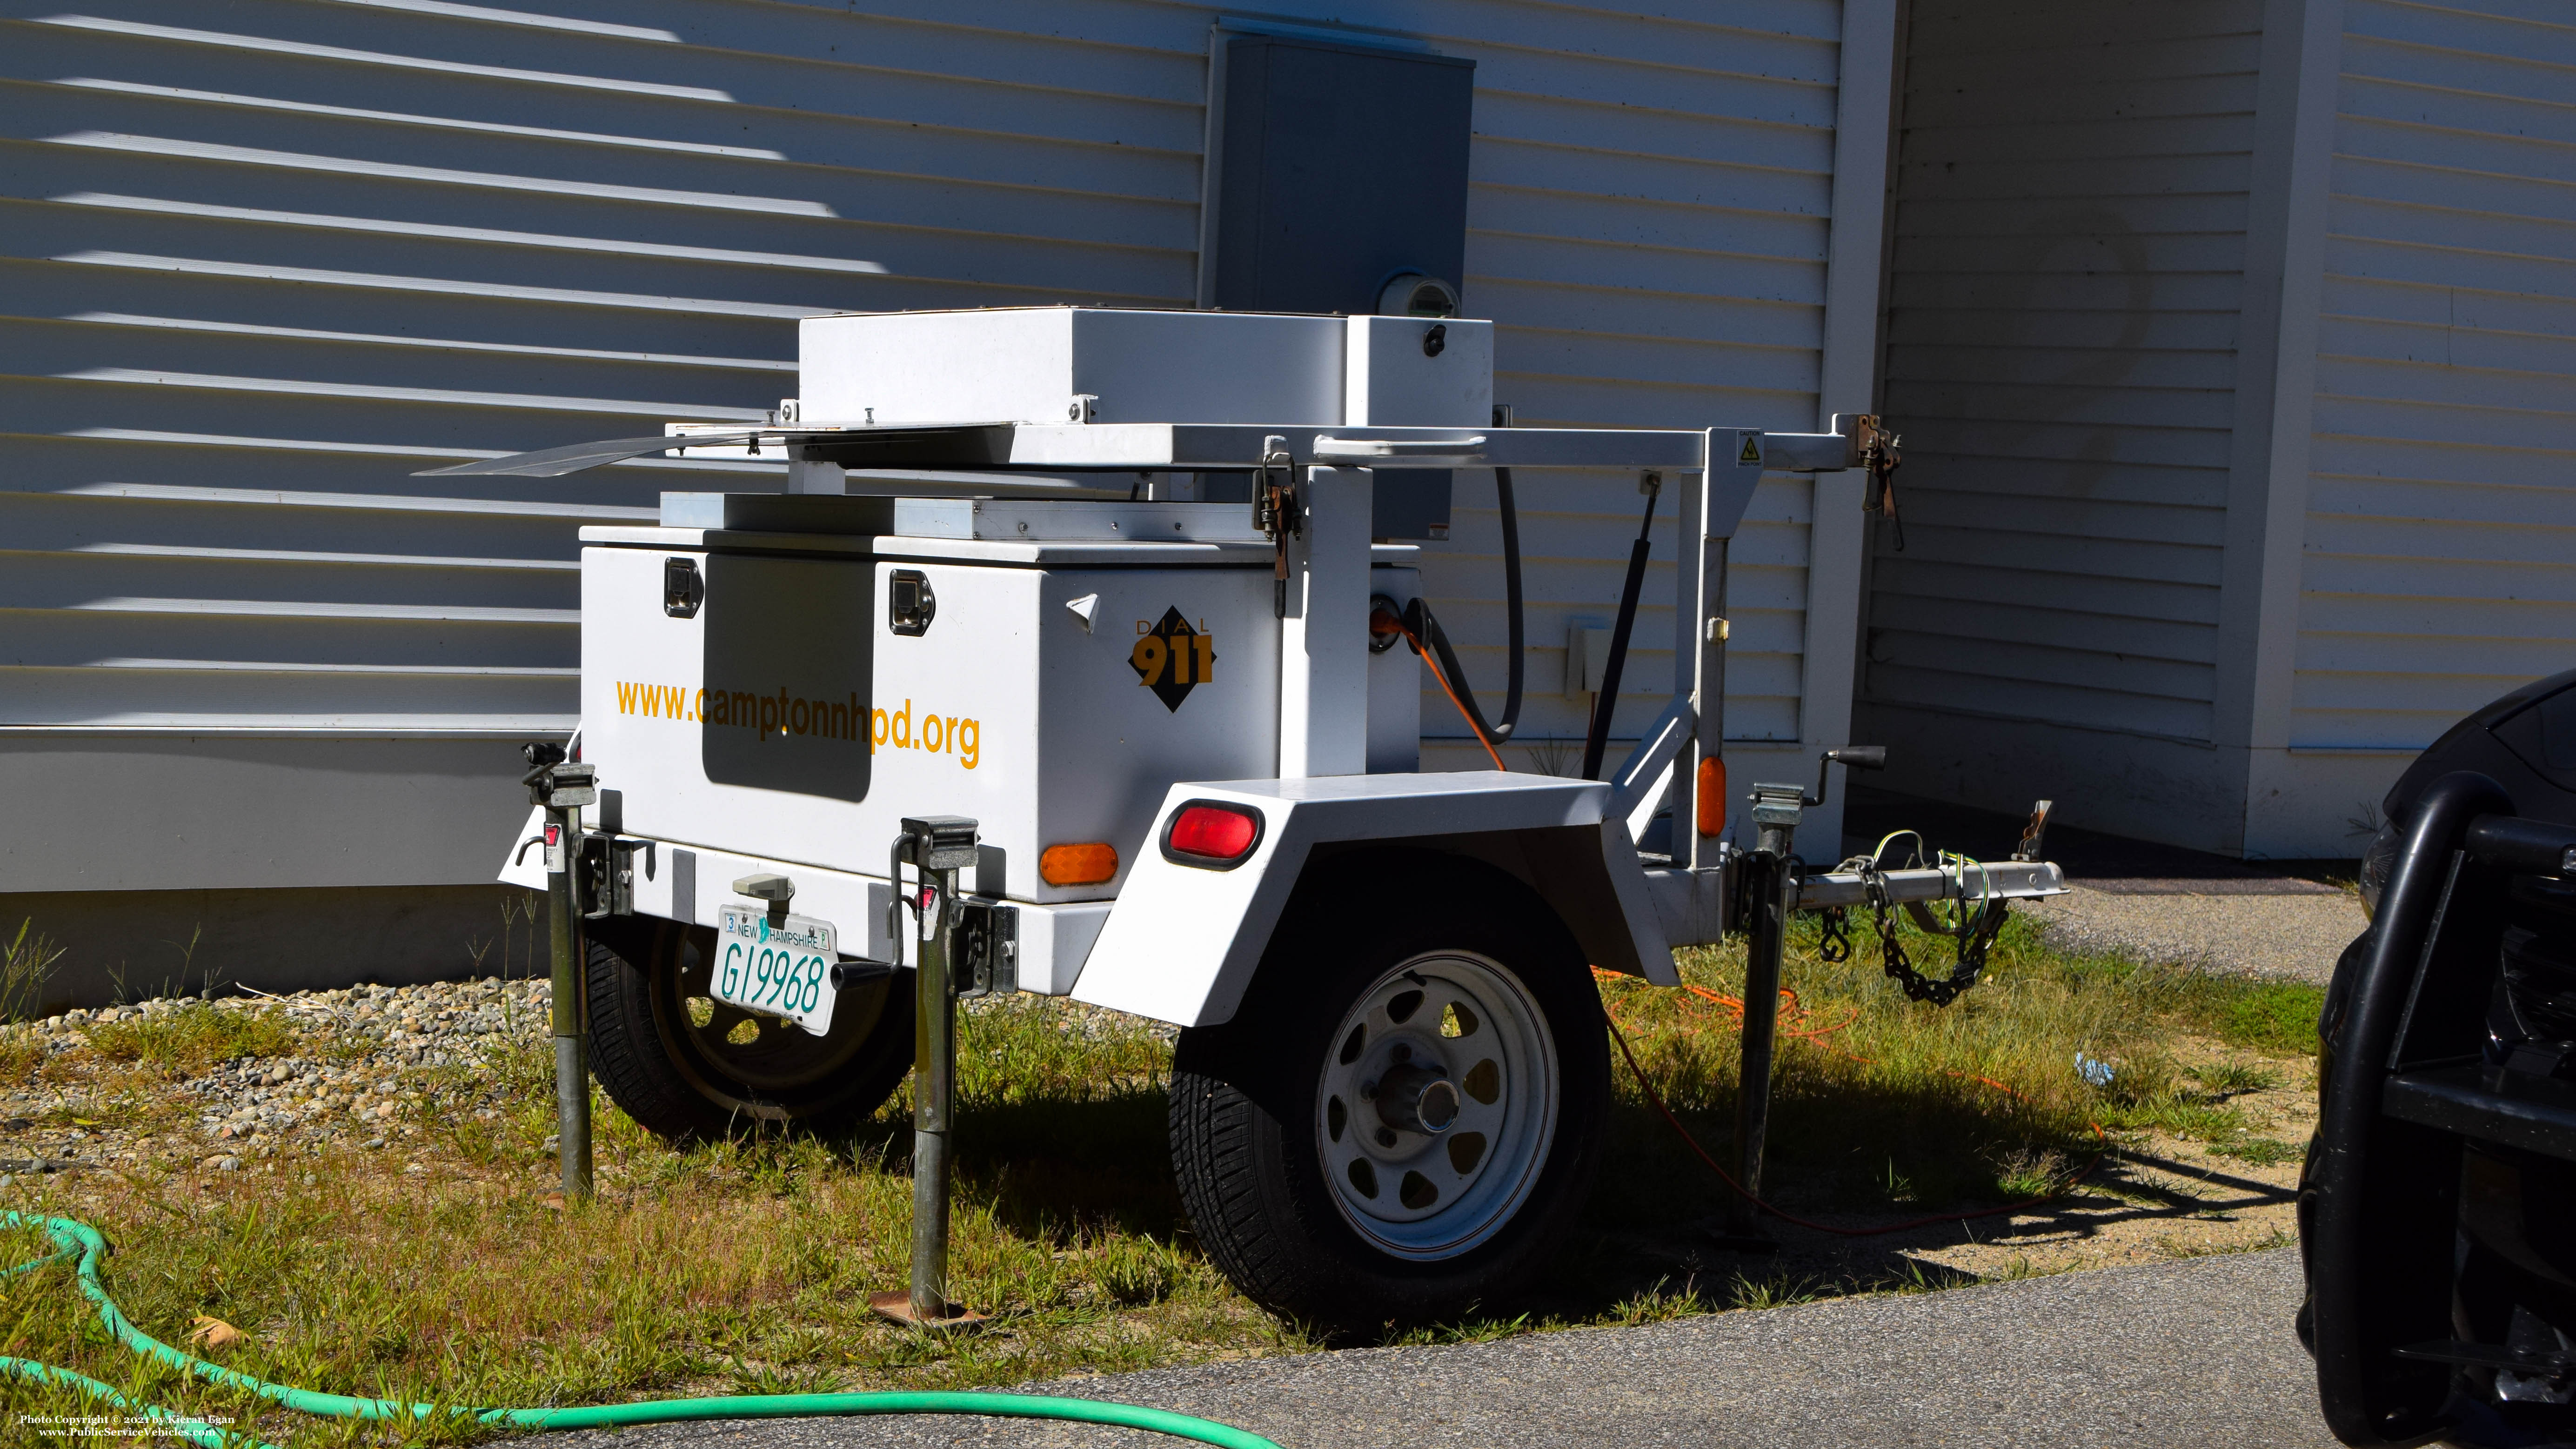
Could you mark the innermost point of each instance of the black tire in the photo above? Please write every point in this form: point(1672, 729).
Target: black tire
point(1251, 1104)
point(664, 1050)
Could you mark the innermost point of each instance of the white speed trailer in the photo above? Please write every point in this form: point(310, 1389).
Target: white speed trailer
point(1162, 754)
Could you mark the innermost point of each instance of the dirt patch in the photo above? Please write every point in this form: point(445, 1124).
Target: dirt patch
point(2157, 1197)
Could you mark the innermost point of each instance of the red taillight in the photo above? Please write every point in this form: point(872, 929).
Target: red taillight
point(1208, 834)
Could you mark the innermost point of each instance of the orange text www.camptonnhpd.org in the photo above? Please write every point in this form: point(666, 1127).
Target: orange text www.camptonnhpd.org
point(779, 712)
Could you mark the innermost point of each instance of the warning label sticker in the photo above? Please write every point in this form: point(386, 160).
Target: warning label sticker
point(1171, 658)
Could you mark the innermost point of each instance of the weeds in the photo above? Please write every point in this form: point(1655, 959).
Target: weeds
point(1662, 1303)
point(1777, 1291)
point(2179, 1116)
point(207, 986)
point(24, 966)
point(2229, 1079)
point(1897, 1186)
point(1554, 756)
point(519, 914)
point(1914, 1275)
point(2183, 1248)
point(2020, 1269)
point(1470, 1330)
point(1132, 1272)
point(2029, 1174)
point(191, 1037)
point(2261, 1151)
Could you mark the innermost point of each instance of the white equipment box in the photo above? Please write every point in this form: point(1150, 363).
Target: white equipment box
point(1091, 364)
point(794, 695)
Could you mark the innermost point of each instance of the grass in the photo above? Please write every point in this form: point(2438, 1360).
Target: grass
point(744, 1267)
point(190, 1037)
point(2274, 1016)
point(2261, 1151)
point(1890, 1102)
point(2227, 1079)
point(25, 963)
point(737, 1268)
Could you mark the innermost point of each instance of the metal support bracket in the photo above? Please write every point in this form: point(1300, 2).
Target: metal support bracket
point(938, 846)
point(561, 788)
point(607, 875)
point(988, 949)
point(1639, 784)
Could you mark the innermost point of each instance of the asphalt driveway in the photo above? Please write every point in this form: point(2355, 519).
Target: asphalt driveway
point(2196, 1351)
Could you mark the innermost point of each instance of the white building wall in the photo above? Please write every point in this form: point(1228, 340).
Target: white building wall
point(259, 262)
point(2066, 277)
point(2439, 560)
point(1652, 245)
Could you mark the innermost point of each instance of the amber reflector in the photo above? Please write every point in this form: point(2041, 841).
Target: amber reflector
point(1078, 864)
point(1711, 813)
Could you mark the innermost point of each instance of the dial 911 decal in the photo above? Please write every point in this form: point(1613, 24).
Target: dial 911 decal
point(1171, 658)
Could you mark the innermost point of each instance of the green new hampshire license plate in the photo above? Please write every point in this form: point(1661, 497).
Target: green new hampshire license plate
point(776, 966)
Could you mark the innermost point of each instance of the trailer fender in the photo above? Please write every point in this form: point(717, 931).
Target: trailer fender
point(1186, 934)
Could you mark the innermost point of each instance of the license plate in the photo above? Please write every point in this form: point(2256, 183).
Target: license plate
point(776, 966)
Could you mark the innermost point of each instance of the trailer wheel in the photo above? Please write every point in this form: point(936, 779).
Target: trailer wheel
point(1405, 1115)
point(691, 1068)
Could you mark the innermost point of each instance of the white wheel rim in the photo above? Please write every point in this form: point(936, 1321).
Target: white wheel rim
point(1465, 1021)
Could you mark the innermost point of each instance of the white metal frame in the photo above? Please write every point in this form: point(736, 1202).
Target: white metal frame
point(1180, 942)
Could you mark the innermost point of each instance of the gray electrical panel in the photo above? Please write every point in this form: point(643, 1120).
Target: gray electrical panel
point(1338, 168)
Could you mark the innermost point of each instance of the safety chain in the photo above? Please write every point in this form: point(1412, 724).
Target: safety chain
point(1974, 941)
point(1836, 946)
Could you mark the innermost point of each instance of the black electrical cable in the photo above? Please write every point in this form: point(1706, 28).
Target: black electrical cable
point(1423, 625)
point(1510, 507)
point(1598, 739)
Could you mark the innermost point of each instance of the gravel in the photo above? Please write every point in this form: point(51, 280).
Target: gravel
point(2293, 936)
point(367, 1044)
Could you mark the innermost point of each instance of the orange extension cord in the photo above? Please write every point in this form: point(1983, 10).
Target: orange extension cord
point(1793, 1015)
point(1434, 666)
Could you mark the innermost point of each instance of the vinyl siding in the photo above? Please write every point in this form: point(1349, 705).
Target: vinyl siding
point(259, 262)
point(2440, 550)
point(264, 260)
point(2061, 358)
point(1647, 226)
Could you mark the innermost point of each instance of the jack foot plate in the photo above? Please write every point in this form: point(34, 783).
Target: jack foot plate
point(897, 1307)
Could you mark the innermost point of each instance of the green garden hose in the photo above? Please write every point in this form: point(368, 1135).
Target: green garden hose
point(82, 1242)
